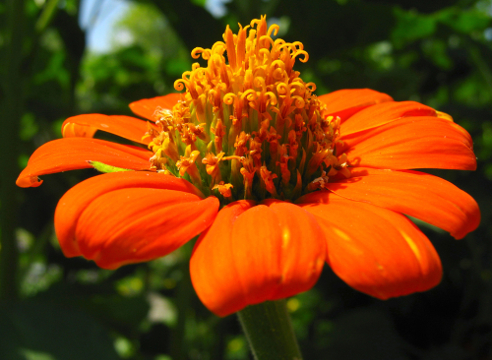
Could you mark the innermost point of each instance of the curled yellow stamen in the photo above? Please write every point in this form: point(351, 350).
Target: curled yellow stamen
point(248, 121)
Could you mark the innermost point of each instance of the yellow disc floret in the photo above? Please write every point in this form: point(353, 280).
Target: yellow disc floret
point(248, 127)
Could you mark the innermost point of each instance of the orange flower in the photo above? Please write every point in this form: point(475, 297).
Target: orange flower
point(274, 179)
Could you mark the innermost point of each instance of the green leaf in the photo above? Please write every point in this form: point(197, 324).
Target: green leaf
point(411, 26)
point(464, 21)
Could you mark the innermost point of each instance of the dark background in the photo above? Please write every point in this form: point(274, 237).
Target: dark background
point(52, 308)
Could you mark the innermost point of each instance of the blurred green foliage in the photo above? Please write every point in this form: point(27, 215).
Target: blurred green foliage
point(53, 308)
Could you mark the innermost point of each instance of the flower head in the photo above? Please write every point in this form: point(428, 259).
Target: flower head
point(276, 180)
point(249, 114)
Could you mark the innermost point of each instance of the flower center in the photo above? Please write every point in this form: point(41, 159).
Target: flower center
point(249, 127)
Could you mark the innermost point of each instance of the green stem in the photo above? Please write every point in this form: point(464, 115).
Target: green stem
point(49, 11)
point(269, 331)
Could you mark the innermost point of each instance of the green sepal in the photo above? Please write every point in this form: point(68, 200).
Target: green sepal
point(104, 168)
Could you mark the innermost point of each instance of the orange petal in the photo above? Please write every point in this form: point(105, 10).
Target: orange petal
point(345, 103)
point(213, 273)
point(125, 126)
point(426, 197)
point(75, 153)
point(75, 200)
point(252, 254)
point(133, 224)
point(146, 107)
point(380, 114)
point(410, 143)
point(376, 251)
